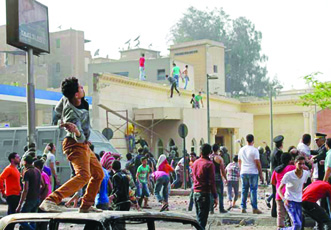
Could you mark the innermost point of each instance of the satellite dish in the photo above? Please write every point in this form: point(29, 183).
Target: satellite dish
point(108, 133)
point(127, 41)
point(137, 38)
point(96, 53)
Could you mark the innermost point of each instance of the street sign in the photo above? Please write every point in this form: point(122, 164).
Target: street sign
point(27, 25)
point(108, 133)
point(182, 130)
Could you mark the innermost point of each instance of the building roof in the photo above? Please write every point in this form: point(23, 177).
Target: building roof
point(142, 49)
point(196, 43)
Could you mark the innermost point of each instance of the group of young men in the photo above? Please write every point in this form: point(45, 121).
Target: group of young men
point(301, 179)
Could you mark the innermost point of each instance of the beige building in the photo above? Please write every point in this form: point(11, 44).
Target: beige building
point(67, 57)
point(149, 105)
point(207, 57)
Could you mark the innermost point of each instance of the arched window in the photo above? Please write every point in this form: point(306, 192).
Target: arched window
point(194, 145)
point(159, 147)
point(171, 143)
point(201, 142)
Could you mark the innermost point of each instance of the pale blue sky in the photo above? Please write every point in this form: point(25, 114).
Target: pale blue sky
point(296, 33)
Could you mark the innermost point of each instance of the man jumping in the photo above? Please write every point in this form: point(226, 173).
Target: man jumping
point(73, 109)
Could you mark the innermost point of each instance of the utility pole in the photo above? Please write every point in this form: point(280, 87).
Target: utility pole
point(30, 96)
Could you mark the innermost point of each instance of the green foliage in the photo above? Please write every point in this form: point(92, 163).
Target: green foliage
point(245, 66)
point(321, 95)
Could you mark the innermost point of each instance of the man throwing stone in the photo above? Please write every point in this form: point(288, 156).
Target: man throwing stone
point(74, 111)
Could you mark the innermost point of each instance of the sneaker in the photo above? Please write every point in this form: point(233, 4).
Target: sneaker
point(223, 211)
point(268, 203)
point(50, 206)
point(243, 210)
point(229, 208)
point(256, 211)
point(90, 209)
point(164, 207)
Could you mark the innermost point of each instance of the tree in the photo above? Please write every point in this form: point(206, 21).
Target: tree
point(245, 69)
point(321, 95)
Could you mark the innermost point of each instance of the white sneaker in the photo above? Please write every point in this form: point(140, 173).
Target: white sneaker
point(90, 209)
point(50, 206)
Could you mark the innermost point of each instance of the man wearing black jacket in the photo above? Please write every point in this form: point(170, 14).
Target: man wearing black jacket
point(276, 161)
point(120, 195)
point(320, 153)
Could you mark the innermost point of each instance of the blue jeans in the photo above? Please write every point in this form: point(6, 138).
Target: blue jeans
point(233, 185)
point(162, 183)
point(294, 210)
point(177, 79)
point(186, 81)
point(131, 142)
point(190, 205)
point(142, 190)
point(177, 183)
point(220, 192)
point(30, 206)
point(249, 182)
point(202, 203)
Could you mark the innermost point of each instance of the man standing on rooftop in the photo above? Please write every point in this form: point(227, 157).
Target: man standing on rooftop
point(142, 76)
point(176, 73)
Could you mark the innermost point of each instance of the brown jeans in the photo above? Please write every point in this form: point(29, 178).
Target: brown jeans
point(88, 170)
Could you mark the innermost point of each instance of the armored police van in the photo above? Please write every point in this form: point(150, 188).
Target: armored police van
point(14, 140)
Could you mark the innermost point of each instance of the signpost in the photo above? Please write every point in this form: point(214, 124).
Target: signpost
point(27, 29)
point(182, 131)
point(108, 133)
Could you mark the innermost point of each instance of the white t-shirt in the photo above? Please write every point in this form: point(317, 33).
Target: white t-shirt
point(294, 185)
point(50, 159)
point(304, 148)
point(248, 154)
point(180, 165)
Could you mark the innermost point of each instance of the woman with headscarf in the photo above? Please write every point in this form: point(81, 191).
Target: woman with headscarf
point(276, 179)
point(163, 165)
point(162, 179)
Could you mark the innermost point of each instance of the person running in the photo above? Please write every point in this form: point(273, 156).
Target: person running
point(198, 99)
point(250, 170)
point(276, 179)
point(162, 180)
point(203, 172)
point(233, 175)
point(143, 180)
point(186, 78)
point(142, 76)
point(294, 181)
point(11, 176)
point(74, 110)
point(173, 86)
point(193, 102)
point(316, 191)
point(176, 73)
point(219, 173)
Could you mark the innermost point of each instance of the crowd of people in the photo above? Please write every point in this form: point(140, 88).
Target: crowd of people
point(100, 182)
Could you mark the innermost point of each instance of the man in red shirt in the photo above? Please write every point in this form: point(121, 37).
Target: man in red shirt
point(11, 177)
point(203, 172)
point(142, 68)
point(314, 192)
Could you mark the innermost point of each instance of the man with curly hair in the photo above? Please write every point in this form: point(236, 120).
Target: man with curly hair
point(74, 112)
